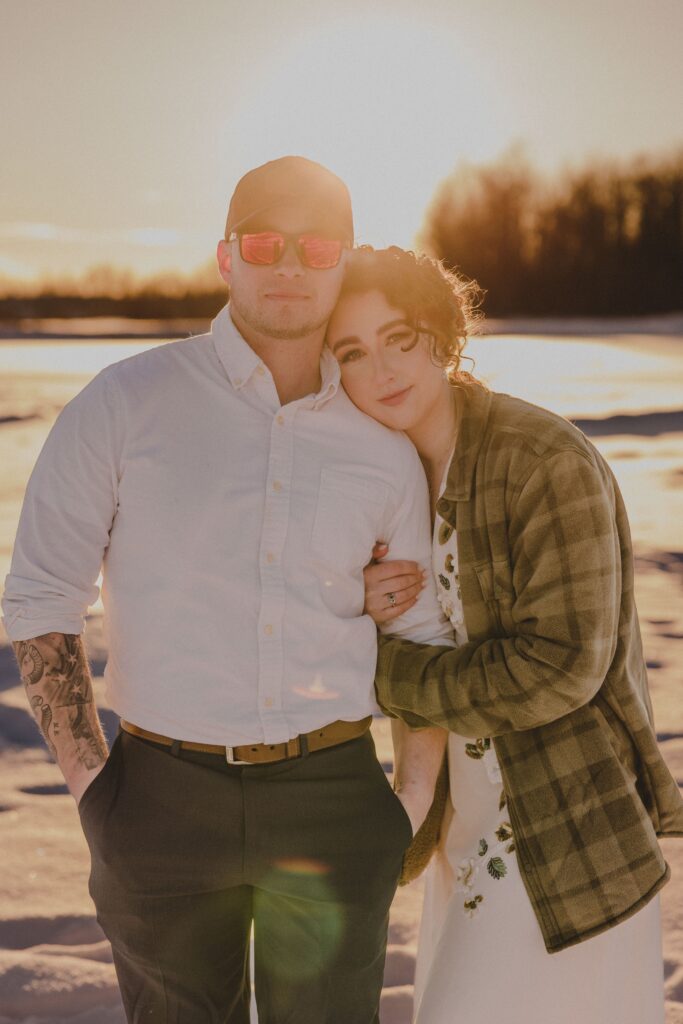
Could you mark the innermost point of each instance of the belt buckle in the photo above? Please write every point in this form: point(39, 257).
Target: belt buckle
point(230, 757)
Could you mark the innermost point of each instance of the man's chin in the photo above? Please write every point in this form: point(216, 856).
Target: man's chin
point(282, 324)
point(289, 328)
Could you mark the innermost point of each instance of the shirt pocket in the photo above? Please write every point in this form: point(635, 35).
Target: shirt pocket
point(495, 582)
point(349, 517)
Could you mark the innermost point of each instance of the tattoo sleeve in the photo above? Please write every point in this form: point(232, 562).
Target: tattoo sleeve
point(55, 673)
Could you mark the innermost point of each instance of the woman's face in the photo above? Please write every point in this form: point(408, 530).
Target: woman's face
point(386, 367)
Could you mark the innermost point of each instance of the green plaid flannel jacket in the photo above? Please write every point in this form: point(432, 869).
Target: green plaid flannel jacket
point(553, 670)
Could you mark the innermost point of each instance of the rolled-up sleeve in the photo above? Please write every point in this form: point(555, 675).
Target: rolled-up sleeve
point(66, 518)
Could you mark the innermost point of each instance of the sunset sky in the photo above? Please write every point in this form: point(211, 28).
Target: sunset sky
point(126, 124)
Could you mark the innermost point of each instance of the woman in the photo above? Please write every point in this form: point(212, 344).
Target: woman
point(557, 790)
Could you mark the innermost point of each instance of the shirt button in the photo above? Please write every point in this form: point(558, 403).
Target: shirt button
point(260, 370)
point(277, 486)
point(238, 381)
point(268, 630)
point(268, 702)
point(280, 420)
point(270, 558)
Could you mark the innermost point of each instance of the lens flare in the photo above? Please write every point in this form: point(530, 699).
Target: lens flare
point(316, 690)
point(303, 866)
point(299, 924)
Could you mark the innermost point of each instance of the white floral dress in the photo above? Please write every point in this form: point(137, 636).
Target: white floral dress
point(481, 955)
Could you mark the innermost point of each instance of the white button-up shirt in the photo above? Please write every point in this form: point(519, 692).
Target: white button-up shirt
point(231, 532)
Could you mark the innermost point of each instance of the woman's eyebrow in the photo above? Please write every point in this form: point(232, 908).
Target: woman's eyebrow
point(351, 340)
point(355, 340)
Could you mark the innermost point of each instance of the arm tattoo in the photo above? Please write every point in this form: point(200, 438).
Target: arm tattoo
point(54, 671)
point(32, 665)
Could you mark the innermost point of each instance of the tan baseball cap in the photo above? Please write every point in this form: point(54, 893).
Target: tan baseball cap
point(292, 181)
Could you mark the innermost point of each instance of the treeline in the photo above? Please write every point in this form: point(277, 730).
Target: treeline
point(604, 240)
point(112, 292)
point(144, 305)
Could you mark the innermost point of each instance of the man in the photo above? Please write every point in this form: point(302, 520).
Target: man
point(232, 494)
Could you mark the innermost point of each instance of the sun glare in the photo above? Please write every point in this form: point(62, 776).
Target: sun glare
point(390, 106)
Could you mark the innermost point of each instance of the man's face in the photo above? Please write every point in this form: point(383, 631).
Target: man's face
point(285, 300)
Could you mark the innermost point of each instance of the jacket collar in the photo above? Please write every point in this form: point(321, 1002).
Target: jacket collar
point(474, 408)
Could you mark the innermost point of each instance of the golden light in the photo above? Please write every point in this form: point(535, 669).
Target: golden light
point(575, 378)
point(389, 105)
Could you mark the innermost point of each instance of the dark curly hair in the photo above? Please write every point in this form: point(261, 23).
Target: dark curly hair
point(437, 302)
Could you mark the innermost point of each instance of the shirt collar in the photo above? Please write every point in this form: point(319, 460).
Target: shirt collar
point(330, 376)
point(238, 358)
point(240, 361)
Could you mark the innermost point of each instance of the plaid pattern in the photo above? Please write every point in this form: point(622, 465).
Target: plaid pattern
point(553, 670)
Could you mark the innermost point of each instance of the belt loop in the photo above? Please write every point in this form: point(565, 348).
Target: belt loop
point(303, 745)
point(175, 748)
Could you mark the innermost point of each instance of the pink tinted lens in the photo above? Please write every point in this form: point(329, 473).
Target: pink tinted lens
point(263, 248)
point(319, 253)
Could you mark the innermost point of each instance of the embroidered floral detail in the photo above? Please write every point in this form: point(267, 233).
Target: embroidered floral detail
point(500, 842)
point(445, 531)
point(492, 849)
point(478, 748)
point(471, 906)
point(467, 872)
point(446, 604)
point(497, 868)
point(444, 567)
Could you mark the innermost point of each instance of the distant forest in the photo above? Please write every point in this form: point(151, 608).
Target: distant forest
point(110, 292)
point(603, 240)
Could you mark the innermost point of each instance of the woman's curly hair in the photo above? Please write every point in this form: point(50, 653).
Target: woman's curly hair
point(437, 302)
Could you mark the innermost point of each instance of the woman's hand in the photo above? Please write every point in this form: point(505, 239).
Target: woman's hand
point(391, 588)
point(418, 756)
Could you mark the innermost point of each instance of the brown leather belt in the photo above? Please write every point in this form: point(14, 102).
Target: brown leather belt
point(264, 753)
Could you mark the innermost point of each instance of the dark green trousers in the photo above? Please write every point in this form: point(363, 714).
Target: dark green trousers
point(187, 851)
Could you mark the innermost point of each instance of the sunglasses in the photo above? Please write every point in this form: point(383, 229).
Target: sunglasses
point(265, 248)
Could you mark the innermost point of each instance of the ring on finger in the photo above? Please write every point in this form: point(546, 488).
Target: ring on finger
point(391, 598)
